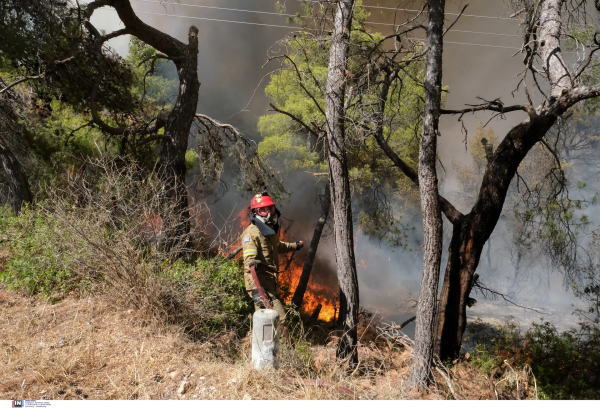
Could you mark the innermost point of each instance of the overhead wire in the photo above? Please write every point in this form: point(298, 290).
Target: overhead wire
point(224, 21)
point(302, 28)
point(361, 6)
point(421, 11)
point(294, 15)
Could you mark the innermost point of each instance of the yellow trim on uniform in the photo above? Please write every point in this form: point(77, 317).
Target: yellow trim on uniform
point(250, 252)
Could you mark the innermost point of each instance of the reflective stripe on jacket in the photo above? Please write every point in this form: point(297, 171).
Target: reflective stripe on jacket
point(266, 249)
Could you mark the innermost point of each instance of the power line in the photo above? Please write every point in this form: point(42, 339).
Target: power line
point(294, 15)
point(452, 30)
point(219, 8)
point(419, 11)
point(224, 21)
point(300, 28)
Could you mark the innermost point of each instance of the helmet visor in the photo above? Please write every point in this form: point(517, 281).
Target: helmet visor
point(265, 211)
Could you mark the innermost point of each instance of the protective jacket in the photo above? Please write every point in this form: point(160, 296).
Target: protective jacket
point(261, 242)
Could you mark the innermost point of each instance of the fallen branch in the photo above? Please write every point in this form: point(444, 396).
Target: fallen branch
point(233, 253)
point(412, 319)
point(447, 381)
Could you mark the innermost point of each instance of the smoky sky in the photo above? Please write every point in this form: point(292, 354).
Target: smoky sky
point(476, 64)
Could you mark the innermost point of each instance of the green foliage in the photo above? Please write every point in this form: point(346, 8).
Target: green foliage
point(48, 262)
point(40, 263)
point(565, 364)
point(215, 286)
point(579, 36)
point(299, 89)
point(155, 79)
point(36, 31)
point(484, 359)
point(56, 129)
point(190, 159)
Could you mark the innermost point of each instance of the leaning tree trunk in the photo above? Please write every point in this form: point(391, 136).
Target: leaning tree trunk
point(472, 231)
point(339, 182)
point(16, 177)
point(430, 207)
point(312, 249)
point(177, 128)
point(177, 125)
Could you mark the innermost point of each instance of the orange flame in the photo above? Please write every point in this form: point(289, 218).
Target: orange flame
point(315, 293)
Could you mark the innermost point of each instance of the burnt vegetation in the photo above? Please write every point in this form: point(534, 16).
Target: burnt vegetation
point(111, 182)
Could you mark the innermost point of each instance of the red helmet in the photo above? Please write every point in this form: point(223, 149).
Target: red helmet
point(260, 201)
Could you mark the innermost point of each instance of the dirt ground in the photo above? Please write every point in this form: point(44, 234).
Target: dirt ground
point(85, 348)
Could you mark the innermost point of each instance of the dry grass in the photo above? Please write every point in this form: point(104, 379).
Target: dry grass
point(86, 348)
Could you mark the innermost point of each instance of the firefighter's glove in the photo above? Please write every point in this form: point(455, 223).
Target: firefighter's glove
point(254, 263)
point(299, 244)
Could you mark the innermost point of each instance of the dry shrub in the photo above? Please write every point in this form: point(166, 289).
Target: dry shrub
point(130, 338)
point(86, 348)
point(106, 228)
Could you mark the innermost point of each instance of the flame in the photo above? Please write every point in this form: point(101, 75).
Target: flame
point(315, 293)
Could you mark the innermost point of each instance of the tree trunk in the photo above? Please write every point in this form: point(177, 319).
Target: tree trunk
point(339, 183)
point(177, 127)
point(452, 315)
point(16, 176)
point(471, 232)
point(430, 207)
point(312, 250)
point(551, 56)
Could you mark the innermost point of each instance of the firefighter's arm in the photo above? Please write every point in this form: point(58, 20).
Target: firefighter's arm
point(284, 247)
point(250, 251)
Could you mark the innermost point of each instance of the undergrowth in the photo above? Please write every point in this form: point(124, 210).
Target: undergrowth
point(565, 365)
point(102, 232)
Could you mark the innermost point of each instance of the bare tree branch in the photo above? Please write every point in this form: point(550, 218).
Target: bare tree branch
point(494, 106)
point(295, 118)
point(21, 80)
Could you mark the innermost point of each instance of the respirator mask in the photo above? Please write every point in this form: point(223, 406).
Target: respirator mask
point(269, 215)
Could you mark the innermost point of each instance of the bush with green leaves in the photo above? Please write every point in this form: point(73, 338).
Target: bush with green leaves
point(104, 230)
point(40, 263)
point(216, 292)
point(566, 365)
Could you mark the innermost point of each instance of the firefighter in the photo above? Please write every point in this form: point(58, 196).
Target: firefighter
point(261, 246)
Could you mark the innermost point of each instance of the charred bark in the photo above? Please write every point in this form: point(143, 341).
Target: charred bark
point(315, 314)
point(312, 249)
point(471, 231)
point(339, 182)
point(430, 207)
point(16, 177)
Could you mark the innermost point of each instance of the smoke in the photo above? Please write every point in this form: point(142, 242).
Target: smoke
point(231, 59)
